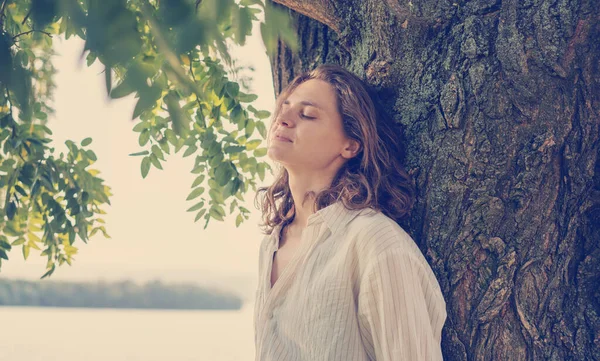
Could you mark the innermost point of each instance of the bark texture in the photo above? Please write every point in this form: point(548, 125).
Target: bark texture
point(500, 104)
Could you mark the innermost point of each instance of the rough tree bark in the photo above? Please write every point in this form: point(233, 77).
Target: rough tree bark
point(500, 104)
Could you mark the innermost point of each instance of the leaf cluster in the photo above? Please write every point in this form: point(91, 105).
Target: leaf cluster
point(173, 56)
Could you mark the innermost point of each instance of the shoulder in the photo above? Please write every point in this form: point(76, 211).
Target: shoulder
point(379, 240)
point(375, 234)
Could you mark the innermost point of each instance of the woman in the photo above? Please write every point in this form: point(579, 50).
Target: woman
point(339, 279)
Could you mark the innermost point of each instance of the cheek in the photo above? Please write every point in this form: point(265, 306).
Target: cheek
point(322, 142)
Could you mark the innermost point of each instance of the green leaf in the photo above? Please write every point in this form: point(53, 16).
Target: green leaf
point(50, 271)
point(198, 180)
point(86, 142)
point(238, 220)
point(232, 206)
point(251, 145)
point(232, 88)
point(19, 241)
point(10, 210)
point(171, 137)
point(180, 118)
point(91, 155)
point(249, 128)
point(199, 215)
point(26, 249)
point(216, 195)
point(215, 214)
point(261, 171)
point(199, 169)
point(237, 115)
point(21, 191)
point(141, 126)
point(246, 98)
point(262, 129)
point(164, 145)
point(251, 2)
point(231, 188)
point(174, 12)
point(278, 23)
point(41, 115)
point(157, 152)
point(191, 150)
point(21, 86)
point(43, 12)
point(144, 137)
point(155, 161)
point(4, 244)
point(223, 173)
point(85, 196)
point(196, 207)
point(243, 24)
point(145, 166)
point(260, 152)
point(148, 97)
point(195, 193)
point(145, 152)
point(108, 79)
point(6, 59)
point(262, 114)
point(121, 90)
point(234, 149)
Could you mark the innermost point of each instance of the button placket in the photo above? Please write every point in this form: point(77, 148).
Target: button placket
point(288, 273)
point(273, 294)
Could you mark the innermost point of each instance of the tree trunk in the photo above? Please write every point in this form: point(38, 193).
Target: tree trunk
point(500, 104)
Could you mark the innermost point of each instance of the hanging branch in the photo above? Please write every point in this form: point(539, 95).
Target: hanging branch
point(321, 10)
point(31, 31)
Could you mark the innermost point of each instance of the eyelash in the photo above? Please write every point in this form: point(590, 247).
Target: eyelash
point(302, 115)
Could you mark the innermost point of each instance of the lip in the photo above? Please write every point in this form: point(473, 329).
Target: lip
point(282, 138)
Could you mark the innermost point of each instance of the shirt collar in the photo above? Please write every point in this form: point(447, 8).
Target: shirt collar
point(335, 216)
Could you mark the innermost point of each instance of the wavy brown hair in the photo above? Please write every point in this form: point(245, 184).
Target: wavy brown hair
point(374, 178)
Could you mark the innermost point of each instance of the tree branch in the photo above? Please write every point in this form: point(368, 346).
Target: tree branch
point(31, 31)
point(26, 17)
point(321, 10)
point(2, 12)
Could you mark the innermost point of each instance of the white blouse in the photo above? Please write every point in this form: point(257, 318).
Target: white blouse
point(357, 288)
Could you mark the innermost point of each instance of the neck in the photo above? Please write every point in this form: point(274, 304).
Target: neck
point(300, 184)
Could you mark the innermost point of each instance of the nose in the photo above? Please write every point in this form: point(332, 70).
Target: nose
point(284, 118)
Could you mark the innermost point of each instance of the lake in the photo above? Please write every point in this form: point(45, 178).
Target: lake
point(80, 334)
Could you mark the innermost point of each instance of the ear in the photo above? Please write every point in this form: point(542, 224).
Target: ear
point(351, 149)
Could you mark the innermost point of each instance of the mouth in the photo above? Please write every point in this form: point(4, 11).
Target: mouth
point(282, 139)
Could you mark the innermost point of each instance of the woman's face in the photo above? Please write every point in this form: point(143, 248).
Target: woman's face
point(308, 134)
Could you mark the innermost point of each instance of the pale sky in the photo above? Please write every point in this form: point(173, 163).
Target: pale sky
point(152, 234)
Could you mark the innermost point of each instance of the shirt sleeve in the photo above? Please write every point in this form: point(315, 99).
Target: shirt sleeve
point(401, 309)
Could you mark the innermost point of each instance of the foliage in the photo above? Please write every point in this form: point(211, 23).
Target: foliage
point(173, 55)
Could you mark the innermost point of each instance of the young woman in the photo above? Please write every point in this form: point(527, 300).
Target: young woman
point(339, 279)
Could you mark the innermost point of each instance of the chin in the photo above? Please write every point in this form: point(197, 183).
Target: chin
point(278, 157)
point(274, 154)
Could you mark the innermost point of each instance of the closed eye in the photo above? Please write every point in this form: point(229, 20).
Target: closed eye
point(307, 117)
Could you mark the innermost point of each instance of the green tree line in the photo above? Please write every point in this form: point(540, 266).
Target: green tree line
point(125, 294)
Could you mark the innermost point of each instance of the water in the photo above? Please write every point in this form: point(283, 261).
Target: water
point(71, 334)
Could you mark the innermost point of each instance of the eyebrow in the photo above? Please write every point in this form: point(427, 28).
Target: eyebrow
point(306, 102)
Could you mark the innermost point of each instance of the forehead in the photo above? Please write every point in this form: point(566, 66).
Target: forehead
point(318, 92)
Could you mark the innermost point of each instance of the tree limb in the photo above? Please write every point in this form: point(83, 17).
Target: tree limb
point(2, 11)
point(321, 10)
point(29, 32)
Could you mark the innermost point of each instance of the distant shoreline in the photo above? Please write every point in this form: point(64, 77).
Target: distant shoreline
point(154, 295)
point(119, 309)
